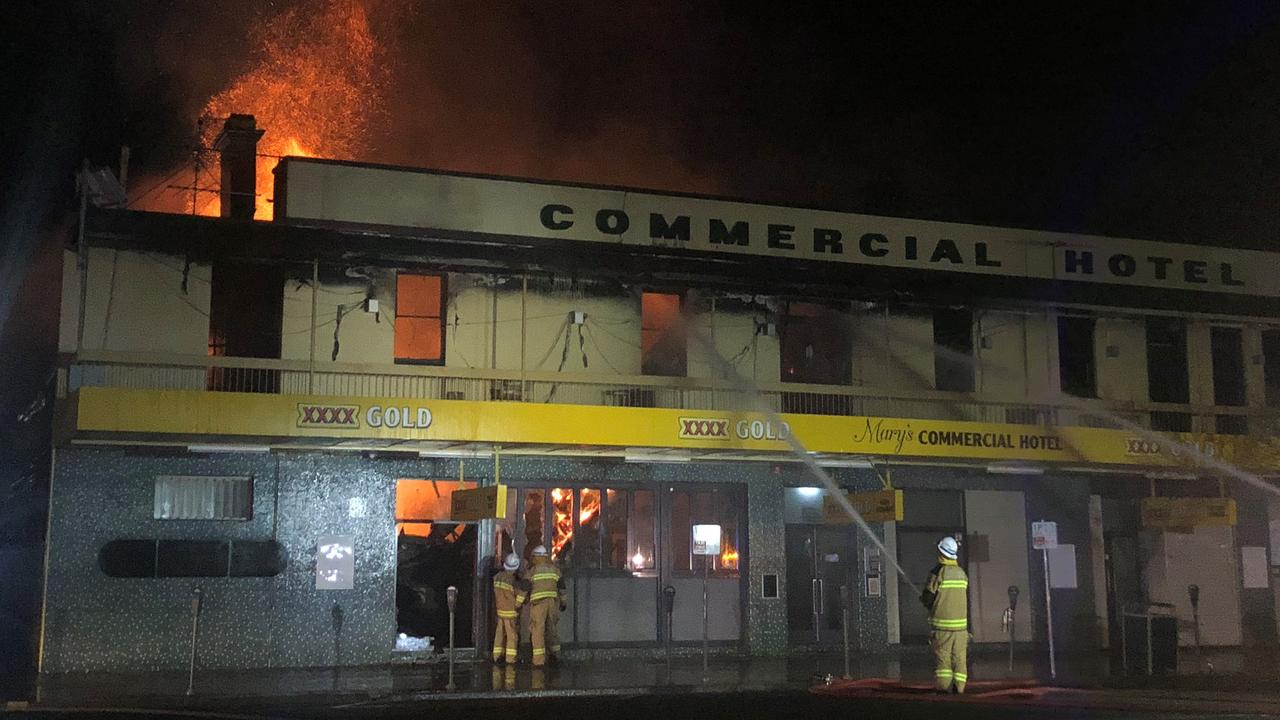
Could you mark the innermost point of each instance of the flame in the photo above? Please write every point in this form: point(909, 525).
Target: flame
point(562, 530)
point(315, 88)
point(590, 506)
point(729, 558)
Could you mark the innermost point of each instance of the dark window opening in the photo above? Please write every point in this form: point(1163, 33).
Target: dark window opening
point(815, 345)
point(953, 349)
point(662, 341)
point(190, 558)
point(419, 319)
point(1271, 366)
point(1227, 348)
point(245, 315)
point(1171, 422)
point(1077, 366)
point(1167, 377)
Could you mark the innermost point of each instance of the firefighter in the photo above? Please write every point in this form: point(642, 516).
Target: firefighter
point(545, 603)
point(946, 596)
point(508, 596)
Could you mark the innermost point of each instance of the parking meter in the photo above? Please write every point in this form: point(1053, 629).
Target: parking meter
point(669, 599)
point(451, 595)
point(1194, 592)
point(1010, 615)
point(1013, 597)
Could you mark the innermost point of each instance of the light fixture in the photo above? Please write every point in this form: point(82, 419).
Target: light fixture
point(1015, 470)
point(837, 462)
point(656, 458)
point(809, 492)
point(228, 448)
point(465, 454)
point(1171, 475)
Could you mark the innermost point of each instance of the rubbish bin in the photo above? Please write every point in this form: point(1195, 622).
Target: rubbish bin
point(1150, 639)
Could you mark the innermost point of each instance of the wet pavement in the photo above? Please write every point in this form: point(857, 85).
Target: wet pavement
point(792, 686)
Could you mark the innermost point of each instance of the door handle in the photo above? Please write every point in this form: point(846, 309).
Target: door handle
point(817, 596)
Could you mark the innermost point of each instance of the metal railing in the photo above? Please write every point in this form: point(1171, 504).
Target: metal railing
point(299, 377)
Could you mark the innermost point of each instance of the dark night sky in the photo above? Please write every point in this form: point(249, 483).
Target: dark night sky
point(1159, 124)
point(1162, 124)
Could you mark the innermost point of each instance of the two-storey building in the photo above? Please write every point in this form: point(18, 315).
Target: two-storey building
point(278, 413)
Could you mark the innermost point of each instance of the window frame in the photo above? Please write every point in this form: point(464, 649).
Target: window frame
point(681, 301)
point(520, 530)
point(444, 325)
point(737, 494)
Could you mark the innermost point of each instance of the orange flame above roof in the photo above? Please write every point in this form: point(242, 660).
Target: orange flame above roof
point(313, 90)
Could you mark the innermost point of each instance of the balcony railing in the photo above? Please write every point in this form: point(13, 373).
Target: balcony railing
point(228, 374)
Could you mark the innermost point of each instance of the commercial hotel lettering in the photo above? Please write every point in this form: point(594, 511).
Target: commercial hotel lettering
point(728, 233)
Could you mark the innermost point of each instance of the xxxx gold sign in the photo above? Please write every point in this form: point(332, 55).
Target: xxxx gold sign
point(328, 416)
point(703, 428)
point(195, 413)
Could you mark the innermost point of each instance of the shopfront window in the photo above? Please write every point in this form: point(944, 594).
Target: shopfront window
point(594, 530)
point(718, 506)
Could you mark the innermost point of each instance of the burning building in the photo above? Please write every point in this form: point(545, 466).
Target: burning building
point(278, 409)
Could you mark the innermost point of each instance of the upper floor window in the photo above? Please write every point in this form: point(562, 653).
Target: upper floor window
point(1077, 364)
point(1271, 366)
point(419, 319)
point(815, 345)
point(1168, 380)
point(662, 340)
point(953, 349)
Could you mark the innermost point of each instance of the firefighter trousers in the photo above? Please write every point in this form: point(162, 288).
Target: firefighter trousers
point(505, 640)
point(544, 615)
point(950, 659)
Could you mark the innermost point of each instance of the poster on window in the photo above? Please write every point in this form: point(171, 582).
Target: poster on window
point(335, 562)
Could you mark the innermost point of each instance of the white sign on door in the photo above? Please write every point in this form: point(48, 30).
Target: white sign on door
point(1044, 535)
point(706, 539)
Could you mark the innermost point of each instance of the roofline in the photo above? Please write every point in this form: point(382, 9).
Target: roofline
point(284, 161)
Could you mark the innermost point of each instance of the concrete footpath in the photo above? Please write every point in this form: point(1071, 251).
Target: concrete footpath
point(1082, 684)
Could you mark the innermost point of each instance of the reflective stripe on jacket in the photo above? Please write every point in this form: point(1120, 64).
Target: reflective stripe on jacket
point(507, 594)
point(545, 577)
point(950, 586)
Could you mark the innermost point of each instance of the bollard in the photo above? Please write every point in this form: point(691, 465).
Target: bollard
point(1012, 614)
point(451, 594)
point(1194, 592)
point(195, 629)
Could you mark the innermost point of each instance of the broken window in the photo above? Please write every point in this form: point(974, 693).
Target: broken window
point(814, 345)
point(953, 349)
point(419, 319)
point(1077, 366)
point(662, 340)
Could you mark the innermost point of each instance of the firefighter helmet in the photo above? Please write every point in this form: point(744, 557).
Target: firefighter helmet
point(512, 563)
point(948, 547)
point(540, 551)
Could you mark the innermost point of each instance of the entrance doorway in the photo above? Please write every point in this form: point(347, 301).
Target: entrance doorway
point(432, 553)
point(820, 559)
point(929, 515)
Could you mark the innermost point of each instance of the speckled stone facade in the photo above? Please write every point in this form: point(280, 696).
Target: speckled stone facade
point(95, 623)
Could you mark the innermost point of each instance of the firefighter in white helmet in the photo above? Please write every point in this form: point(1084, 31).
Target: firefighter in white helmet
point(946, 596)
point(508, 596)
point(546, 600)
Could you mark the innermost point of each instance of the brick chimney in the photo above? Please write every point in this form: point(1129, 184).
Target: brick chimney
point(238, 143)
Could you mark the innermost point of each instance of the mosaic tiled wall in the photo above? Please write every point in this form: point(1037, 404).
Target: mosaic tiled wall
point(95, 622)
